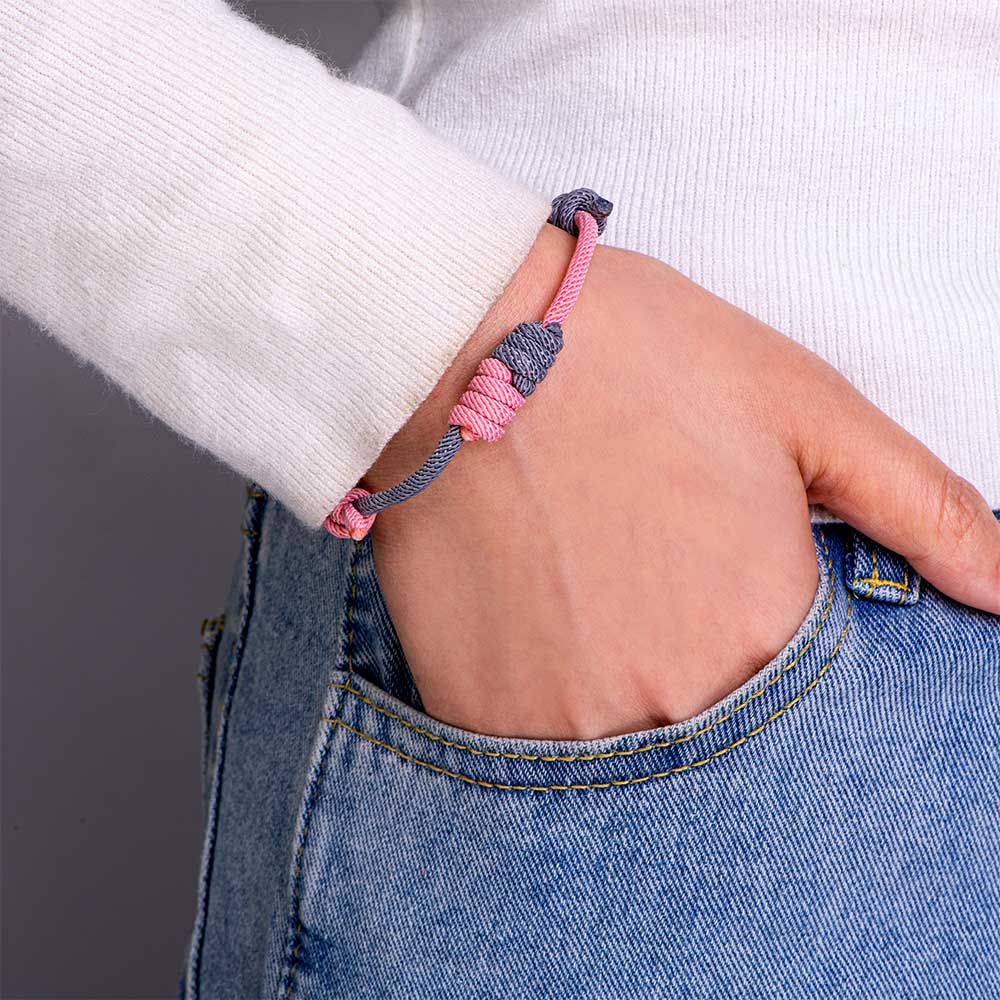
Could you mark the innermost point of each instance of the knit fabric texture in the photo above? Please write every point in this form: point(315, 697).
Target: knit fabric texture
point(277, 263)
point(830, 167)
point(227, 228)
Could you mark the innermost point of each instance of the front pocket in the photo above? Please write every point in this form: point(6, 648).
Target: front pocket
point(406, 735)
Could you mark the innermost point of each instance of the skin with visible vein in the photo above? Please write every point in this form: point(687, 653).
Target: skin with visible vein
point(639, 544)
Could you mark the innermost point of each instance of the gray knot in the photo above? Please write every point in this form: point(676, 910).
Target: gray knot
point(565, 206)
point(529, 351)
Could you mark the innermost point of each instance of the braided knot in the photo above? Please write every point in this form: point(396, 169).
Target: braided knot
point(503, 380)
point(346, 521)
point(489, 403)
point(529, 351)
point(565, 207)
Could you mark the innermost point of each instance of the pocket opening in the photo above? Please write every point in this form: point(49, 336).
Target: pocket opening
point(405, 736)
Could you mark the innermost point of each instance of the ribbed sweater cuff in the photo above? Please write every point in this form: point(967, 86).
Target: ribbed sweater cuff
point(277, 263)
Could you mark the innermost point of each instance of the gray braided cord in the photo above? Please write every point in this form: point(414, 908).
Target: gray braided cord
point(444, 452)
point(565, 207)
point(529, 351)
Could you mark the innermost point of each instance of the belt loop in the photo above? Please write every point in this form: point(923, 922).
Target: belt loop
point(874, 573)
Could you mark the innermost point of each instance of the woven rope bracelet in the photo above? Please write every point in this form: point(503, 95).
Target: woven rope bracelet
point(502, 381)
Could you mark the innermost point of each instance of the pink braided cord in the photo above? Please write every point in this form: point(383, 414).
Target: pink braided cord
point(576, 272)
point(346, 521)
point(489, 403)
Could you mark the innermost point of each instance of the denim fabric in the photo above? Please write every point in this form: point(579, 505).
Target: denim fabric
point(829, 830)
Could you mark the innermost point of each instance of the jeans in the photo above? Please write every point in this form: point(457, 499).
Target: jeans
point(829, 830)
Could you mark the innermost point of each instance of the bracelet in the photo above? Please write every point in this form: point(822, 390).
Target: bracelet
point(502, 381)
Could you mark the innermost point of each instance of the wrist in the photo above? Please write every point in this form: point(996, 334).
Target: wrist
point(526, 297)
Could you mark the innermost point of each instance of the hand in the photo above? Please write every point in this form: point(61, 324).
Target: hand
point(638, 544)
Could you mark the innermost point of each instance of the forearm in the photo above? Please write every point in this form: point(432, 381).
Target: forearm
point(275, 262)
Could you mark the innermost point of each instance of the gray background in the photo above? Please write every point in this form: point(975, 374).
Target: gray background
point(117, 539)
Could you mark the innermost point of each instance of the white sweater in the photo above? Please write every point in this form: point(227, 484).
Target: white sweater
point(280, 264)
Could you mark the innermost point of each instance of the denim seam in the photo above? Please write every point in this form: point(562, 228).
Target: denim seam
point(620, 782)
point(212, 631)
point(295, 944)
point(253, 517)
point(874, 580)
point(609, 754)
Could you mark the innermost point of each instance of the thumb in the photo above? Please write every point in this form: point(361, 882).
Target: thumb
point(863, 467)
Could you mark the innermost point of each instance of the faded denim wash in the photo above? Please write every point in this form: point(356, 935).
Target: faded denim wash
point(830, 830)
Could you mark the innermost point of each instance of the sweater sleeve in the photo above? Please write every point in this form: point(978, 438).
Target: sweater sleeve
point(275, 262)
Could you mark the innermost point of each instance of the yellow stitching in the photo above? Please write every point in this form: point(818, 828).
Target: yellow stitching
point(571, 758)
point(248, 533)
point(255, 494)
point(218, 621)
point(620, 781)
point(618, 753)
point(874, 573)
point(874, 581)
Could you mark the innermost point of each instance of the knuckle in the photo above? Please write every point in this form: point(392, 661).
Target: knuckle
point(959, 509)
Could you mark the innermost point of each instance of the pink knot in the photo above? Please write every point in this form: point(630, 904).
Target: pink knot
point(346, 521)
point(488, 404)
